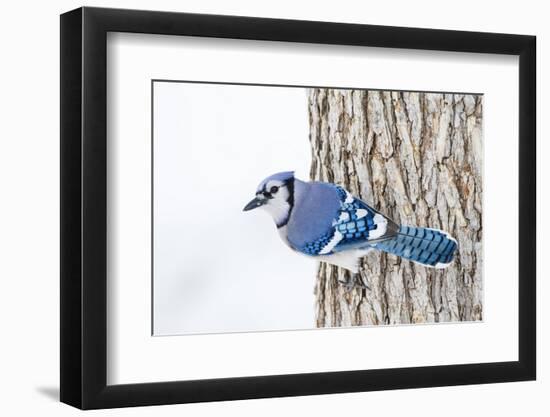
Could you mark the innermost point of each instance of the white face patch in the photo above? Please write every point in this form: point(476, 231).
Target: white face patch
point(277, 206)
point(272, 183)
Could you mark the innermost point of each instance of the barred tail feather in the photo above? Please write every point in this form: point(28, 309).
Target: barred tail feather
point(429, 247)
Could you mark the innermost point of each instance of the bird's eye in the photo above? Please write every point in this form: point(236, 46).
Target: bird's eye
point(274, 189)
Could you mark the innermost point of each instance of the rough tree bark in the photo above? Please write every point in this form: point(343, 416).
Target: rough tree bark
point(416, 157)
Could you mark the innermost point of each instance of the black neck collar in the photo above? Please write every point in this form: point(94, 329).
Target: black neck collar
point(290, 200)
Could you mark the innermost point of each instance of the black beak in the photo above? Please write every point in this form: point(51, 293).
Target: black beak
point(255, 203)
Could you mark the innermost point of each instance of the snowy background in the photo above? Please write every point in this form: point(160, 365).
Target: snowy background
point(217, 268)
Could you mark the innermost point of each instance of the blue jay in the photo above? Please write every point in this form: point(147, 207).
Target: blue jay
point(325, 221)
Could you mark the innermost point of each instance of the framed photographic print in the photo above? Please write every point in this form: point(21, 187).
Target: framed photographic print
point(257, 208)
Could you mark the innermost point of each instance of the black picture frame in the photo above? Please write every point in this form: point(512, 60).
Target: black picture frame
point(84, 197)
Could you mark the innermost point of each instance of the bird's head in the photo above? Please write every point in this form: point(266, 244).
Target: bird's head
point(275, 194)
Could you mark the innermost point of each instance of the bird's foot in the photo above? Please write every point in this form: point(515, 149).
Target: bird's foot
point(353, 281)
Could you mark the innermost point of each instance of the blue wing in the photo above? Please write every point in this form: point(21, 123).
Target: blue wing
point(356, 226)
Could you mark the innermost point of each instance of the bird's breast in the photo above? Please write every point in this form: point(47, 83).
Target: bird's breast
point(283, 233)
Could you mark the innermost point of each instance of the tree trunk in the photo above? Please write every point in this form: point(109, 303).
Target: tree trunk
point(417, 158)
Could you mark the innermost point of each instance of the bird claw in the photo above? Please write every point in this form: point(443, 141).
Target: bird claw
point(353, 281)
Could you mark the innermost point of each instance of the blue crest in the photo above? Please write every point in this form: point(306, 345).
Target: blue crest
point(279, 176)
